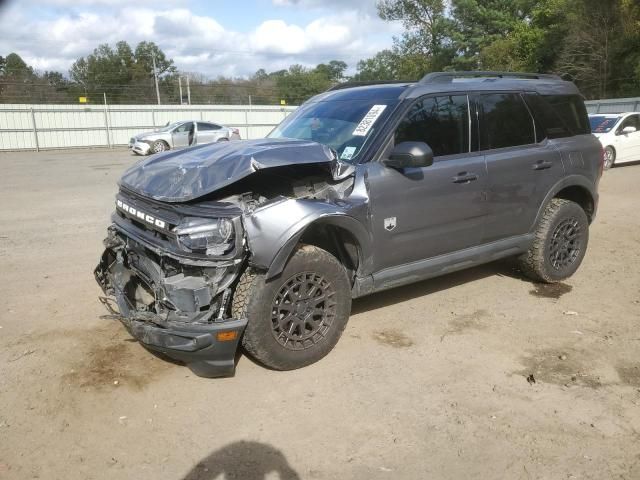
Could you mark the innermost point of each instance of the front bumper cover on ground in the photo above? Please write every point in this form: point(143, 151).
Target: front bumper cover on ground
point(208, 350)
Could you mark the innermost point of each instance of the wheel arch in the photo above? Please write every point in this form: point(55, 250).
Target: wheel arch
point(576, 189)
point(166, 144)
point(342, 236)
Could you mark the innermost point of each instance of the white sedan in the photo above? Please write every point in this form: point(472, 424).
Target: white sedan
point(619, 134)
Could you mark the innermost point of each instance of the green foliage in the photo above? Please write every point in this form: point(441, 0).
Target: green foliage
point(16, 68)
point(595, 43)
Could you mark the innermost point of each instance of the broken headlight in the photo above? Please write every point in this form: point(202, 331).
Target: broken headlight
point(203, 235)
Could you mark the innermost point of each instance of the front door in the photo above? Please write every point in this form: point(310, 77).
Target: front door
point(183, 135)
point(628, 144)
point(420, 213)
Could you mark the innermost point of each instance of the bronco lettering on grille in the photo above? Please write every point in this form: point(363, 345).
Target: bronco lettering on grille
point(134, 212)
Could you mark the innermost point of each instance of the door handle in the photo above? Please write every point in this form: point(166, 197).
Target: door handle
point(542, 165)
point(464, 177)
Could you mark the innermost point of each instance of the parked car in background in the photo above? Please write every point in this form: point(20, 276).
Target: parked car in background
point(180, 135)
point(619, 134)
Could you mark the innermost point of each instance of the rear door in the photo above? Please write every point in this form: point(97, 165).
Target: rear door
point(420, 213)
point(208, 132)
point(521, 163)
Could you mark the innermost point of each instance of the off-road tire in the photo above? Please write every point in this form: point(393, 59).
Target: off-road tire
point(256, 299)
point(537, 262)
point(159, 146)
point(609, 157)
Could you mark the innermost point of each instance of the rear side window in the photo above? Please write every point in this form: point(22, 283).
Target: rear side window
point(440, 122)
point(207, 126)
point(571, 109)
point(559, 116)
point(505, 121)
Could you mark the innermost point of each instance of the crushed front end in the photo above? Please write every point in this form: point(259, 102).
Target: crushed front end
point(168, 271)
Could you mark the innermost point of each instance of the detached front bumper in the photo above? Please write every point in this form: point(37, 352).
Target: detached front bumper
point(208, 350)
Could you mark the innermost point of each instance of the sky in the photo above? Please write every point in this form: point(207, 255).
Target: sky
point(215, 37)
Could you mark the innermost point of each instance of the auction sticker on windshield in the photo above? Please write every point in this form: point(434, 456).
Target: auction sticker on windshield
point(369, 119)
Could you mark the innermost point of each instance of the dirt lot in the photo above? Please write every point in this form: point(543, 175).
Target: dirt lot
point(428, 382)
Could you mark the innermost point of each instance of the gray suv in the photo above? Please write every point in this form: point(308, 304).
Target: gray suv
point(363, 188)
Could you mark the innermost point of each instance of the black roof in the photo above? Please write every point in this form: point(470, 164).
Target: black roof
point(546, 84)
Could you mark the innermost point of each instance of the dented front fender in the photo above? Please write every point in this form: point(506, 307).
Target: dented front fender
point(274, 229)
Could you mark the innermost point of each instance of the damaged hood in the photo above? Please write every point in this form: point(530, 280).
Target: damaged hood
point(180, 176)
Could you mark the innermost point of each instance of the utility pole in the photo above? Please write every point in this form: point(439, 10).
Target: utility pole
point(155, 76)
point(180, 88)
point(188, 91)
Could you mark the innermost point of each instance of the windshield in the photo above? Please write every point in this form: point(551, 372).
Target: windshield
point(343, 125)
point(602, 124)
point(169, 127)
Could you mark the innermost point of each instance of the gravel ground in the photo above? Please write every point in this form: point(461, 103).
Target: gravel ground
point(428, 381)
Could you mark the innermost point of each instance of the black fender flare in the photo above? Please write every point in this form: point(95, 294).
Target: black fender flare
point(274, 230)
point(571, 181)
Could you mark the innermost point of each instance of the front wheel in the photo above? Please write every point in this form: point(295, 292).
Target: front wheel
point(159, 146)
point(298, 317)
point(560, 243)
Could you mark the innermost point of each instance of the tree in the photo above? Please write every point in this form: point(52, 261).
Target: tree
point(382, 66)
point(122, 73)
point(426, 41)
point(15, 67)
point(589, 46)
point(334, 70)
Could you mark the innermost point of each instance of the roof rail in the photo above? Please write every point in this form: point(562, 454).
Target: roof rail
point(343, 85)
point(448, 77)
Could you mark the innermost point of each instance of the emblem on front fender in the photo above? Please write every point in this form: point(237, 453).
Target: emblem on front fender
point(390, 223)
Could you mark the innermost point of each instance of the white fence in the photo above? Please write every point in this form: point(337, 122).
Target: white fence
point(36, 127)
point(617, 105)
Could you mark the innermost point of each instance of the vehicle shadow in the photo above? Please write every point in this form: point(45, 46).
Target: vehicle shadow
point(395, 295)
point(243, 461)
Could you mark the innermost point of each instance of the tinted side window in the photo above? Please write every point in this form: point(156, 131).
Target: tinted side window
point(630, 121)
point(571, 109)
point(207, 126)
point(548, 122)
point(506, 121)
point(440, 122)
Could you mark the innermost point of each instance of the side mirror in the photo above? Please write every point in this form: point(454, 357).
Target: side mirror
point(410, 154)
point(629, 129)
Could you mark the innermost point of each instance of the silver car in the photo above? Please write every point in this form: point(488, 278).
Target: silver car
point(181, 135)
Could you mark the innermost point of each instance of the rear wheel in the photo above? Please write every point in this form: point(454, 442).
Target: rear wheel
point(560, 243)
point(609, 158)
point(298, 317)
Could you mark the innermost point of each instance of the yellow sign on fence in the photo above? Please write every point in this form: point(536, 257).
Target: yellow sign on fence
point(82, 99)
point(283, 102)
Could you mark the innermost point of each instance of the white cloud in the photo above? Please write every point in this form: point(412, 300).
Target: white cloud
point(197, 43)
